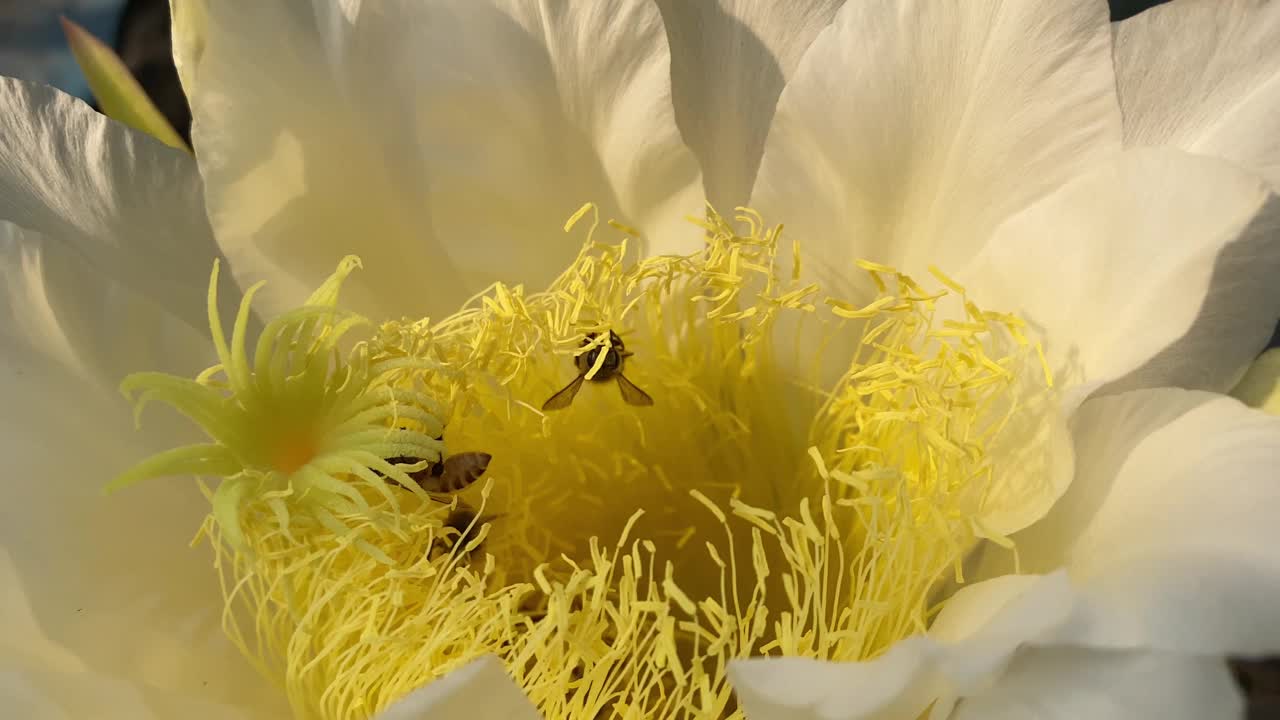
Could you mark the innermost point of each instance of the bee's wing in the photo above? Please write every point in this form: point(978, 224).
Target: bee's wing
point(561, 400)
point(460, 471)
point(632, 394)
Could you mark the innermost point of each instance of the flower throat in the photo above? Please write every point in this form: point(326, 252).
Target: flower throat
point(733, 497)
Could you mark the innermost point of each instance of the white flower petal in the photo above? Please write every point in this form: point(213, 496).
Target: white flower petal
point(131, 206)
point(729, 62)
point(1168, 530)
point(904, 681)
point(23, 642)
point(1071, 684)
point(479, 690)
point(912, 129)
point(1105, 432)
point(990, 655)
point(1205, 77)
point(109, 579)
point(40, 680)
point(974, 606)
point(1181, 554)
point(1157, 266)
point(898, 684)
point(42, 695)
point(187, 30)
point(446, 143)
point(106, 275)
point(59, 303)
point(1035, 463)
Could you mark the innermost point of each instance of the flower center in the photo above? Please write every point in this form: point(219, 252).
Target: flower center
point(672, 478)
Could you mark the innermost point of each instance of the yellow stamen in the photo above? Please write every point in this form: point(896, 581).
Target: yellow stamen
point(627, 554)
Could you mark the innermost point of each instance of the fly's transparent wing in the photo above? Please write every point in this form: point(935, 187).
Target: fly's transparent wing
point(562, 399)
point(632, 394)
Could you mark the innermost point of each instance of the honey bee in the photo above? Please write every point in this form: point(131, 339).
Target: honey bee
point(610, 369)
point(447, 475)
point(467, 522)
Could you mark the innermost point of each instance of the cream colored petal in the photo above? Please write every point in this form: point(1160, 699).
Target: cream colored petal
point(915, 673)
point(129, 205)
point(991, 654)
point(1168, 530)
point(189, 24)
point(72, 312)
point(110, 581)
point(103, 270)
point(40, 695)
point(971, 608)
point(1106, 431)
point(729, 62)
point(41, 680)
point(1204, 76)
point(899, 684)
point(1181, 553)
point(1042, 680)
point(445, 143)
point(1034, 462)
point(1072, 684)
point(1155, 268)
point(911, 129)
point(479, 690)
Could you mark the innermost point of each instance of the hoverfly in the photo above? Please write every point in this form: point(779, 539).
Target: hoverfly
point(610, 369)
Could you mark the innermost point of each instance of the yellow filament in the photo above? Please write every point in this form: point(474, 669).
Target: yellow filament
point(761, 506)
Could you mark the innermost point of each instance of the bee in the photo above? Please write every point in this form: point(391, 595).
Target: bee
point(467, 523)
point(611, 369)
point(447, 475)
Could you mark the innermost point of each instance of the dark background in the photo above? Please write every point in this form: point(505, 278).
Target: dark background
point(139, 30)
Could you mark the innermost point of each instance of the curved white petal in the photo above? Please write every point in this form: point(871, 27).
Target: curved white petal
point(39, 695)
point(911, 129)
point(104, 261)
point(1168, 531)
point(898, 684)
point(190, 19)
point(1060, 662)
point(1106, 431)
point(1181, 554)
point(129, 205)
point(445, 143)
point(974, 606)
point(109, 580)
point(902, 683)
point(479, 690)
point(41, 680)
point(729, 62)
point(1071, 684)
point(70, 310)
point(991, 654)
point(1205, 77)
point(1156, 267)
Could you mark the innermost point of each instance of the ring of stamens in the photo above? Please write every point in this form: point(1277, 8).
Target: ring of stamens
point(758, 508)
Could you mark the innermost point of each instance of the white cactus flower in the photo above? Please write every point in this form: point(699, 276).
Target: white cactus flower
point(947, 444)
